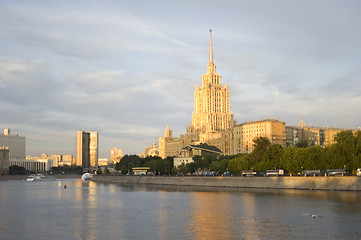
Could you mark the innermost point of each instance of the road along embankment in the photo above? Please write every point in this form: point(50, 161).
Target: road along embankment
point(286, 182)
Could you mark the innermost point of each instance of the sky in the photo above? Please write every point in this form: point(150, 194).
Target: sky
point(127, 69)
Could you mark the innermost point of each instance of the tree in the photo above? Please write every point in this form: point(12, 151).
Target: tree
point(129, 161)
point(17, 170)
point(219, 166)
point(182, 169)
point(302, 144)
point(289, 161)
point(271, 158)
point(346, 150)
point(260, 145)
point(239, 163)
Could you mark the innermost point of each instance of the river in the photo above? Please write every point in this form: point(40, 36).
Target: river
point(89, 210)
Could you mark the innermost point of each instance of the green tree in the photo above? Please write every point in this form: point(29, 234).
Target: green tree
point(182, 169)
point(260, 145)
point(313, 158)
point(302, 144)
point(289, 161)
point(129, 161)
point(271, 158)
point(123, 169)
point(345, 150)
point(17, 170)
point(219, 166)
point(239, 163)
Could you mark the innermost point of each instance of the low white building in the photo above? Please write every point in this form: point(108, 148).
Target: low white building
point(34, 165)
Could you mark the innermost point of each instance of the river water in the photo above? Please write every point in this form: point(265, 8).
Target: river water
point(88, 210)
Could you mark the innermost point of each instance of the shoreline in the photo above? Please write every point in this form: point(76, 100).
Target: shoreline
point(24, 177)
point(347, 183)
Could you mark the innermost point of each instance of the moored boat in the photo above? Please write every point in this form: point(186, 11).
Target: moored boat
point(86, 176)
point(39, 177)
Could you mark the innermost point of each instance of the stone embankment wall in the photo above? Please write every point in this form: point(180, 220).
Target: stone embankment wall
point(286, 182)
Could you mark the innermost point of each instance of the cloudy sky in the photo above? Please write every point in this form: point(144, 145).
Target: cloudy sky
point(128, 68)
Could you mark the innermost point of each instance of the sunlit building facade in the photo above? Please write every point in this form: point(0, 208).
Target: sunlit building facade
point(244, 134)
point(87, 149)
point(115, 155)
point(212, 112)
point(15, 143)
point(58, 159)
point(311, 135)
point(34, 165)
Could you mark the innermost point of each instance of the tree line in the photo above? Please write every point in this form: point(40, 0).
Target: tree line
point(345, 153)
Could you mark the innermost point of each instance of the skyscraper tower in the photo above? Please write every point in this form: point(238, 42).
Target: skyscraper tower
point(87, 149)
point(211, 102)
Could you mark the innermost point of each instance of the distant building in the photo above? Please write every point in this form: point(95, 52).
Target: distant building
point(103, 162)
point(34, 165)
point(4, 160)
point(150, 151)
point(58, 159)
point(311, 135)
point(115, 155)
point(15, 143)
point(87, 149)
point(188, 152)
point(66, 160)
point(245, 133)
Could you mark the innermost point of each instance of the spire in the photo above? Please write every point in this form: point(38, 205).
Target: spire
point(210, 47)
point(211, 68)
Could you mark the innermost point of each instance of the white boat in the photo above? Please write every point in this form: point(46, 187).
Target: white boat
point(86, 176)
point(39, 177)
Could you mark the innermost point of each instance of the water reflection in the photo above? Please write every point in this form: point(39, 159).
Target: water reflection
point(210, 216)
point(85, 222)
point(88, 210)
point(248, 222)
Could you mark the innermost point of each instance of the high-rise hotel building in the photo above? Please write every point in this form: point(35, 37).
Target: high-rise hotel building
point(213, 123)
point(87, 149)
point(211, 103)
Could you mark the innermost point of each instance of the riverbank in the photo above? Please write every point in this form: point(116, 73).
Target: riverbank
point(24, 177)
point(349, 183)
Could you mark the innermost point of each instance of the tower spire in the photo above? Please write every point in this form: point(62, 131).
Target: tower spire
point(210, 47)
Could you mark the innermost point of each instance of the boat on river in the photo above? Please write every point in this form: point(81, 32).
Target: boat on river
point(86, 176)
point(39, 177)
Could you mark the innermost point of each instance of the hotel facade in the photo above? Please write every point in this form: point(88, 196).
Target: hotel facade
point(212, 123)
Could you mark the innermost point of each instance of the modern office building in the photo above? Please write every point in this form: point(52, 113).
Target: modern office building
point(87, 149)
point(15, 143)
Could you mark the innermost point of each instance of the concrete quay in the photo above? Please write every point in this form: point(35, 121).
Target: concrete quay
point(348, 183)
